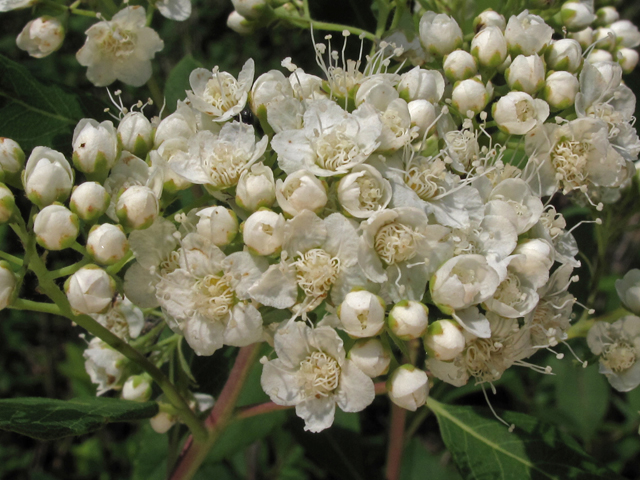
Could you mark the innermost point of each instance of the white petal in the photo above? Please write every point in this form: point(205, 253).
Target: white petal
point(317, 413)
point(355, 391)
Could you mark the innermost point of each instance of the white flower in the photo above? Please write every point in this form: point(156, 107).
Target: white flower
point(409, 319)
point(135, 133)
point(207, 296)
point(513, 199)
point(90, 289)
point(8, 5)
point(489, 46)
point(47, 177)
point(527, 34)
point(178, 10)
point(263, 232)
point(120, 49)
point(460, 65)
point(517, 113)
point(104, 365)
point(218, 161)
point(331, 141)
point(577, 15)
point(362, 314)
point(123, 318)
point(41, 37)
point(89, 201)
point(583, 37)
point(95, 146)
point(56, 227)
point(423, 116)
point(11, 157)
point(7, 284)
point(526, 74)
point(137, 388)
point(180, 124)
point(618, 345)
point(364, 192)
point(107, 243)
point(219, 94)
point(444, 340)
point(7, 204)
point(605, 39)
point(628, 288)
point(370, 356)
point(219, 225)
point(312, 373)
point(489, 18)
point(239, 24)
point(408, 387)
point(440, 34)
point(301, 190)
point(628, 59)
point(470, 95)
point(626, 32)
point(137, 207)
point(256, 188)
point(419, 83)
point(269, 88)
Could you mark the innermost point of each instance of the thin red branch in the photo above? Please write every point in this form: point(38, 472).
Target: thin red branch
point(396, 440)
point(259, 409)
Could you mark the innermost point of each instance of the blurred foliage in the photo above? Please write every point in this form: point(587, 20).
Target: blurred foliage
point(41, 356)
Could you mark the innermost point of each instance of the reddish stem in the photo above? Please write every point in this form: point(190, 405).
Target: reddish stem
point(380, 388)
point(194, 453)
point(259, 409)
point(396, 439)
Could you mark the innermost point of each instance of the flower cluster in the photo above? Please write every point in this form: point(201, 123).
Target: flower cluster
point(387, 205)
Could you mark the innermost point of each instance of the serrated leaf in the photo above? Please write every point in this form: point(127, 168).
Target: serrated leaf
point(483, 448)
point(34, 113)
point(178, 81)
point(50, 419)
point(150, 455)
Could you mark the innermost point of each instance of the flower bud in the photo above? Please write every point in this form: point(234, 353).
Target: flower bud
point(440, 34)
point(628, 59)
point(364, 191)
point(269, 87)
point(136, 134)
point(11, 157)
point(517, 113)
point(362, 314)
point(627, 33)
point(605, 39)
point(598, 56)
point(371, 357)
point(56, 227)
point(444, 340)
point(90, 290)
point(565, 54)
point(470, 96)
point(137, 388)
point(89, 201)
point(218, 224)
point(263, 232)
point(376, 91)
point(490, 47)
point(137, 207)
point(460, 65)
point(489, 18)
point(606, 16)
point(41, 37)
point(419, 83)
point(180, 124)
point(301, 190)
point(251, 9)
point(239, 24)
point(628, 289)
point(47, 177)
point(7, 203)
point(7, 284)
point(107, 243)
point(95, 146)
point(408, 387)
point(583, 37)
point(256, 188)
point(409, 319)
point(560, 90)
point(162, 422)
point(527, 34)
point(526, 74)
point(576, 15)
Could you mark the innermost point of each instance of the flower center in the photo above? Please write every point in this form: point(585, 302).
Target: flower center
point(216, 296)
point(221, 91)
point(569, 158)
point(423, 178)
point(524, 111)
point(170, 263)
point(370, 193)
point(395, 243)
point(119, 43)
point(553, 222)
point(224, 164)
point(508, 292)
point(482, 359)
point(335, 149)
point(319, 374)
point(618, 356)
point(316, 271)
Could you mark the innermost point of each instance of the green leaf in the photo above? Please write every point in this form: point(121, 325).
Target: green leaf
point(483, 448)
point(416, 460)
point(34, 113)
point(149, 455)
point(178, 81)
point(50, 419)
